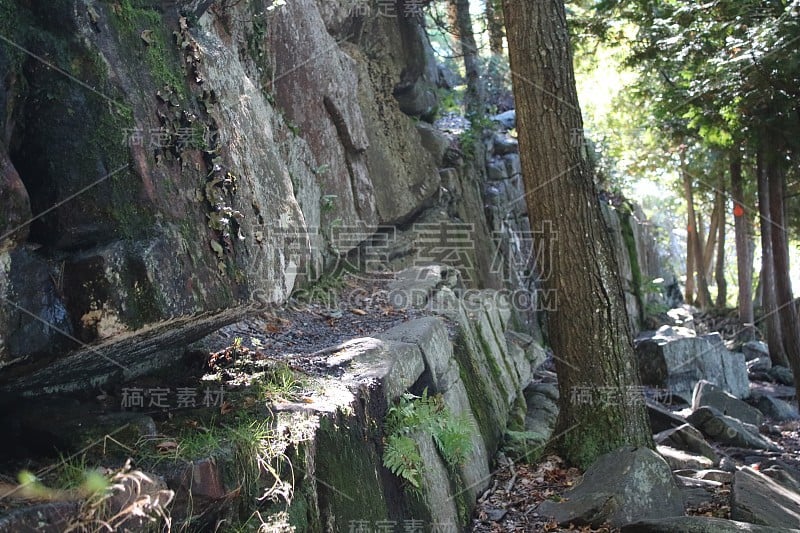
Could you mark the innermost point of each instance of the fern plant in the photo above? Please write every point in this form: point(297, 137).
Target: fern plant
point(427, 415)
point(401, 456)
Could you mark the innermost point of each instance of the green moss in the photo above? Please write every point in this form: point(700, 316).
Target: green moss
point(302, 515)
point(134, 21)
point(524, 446)
point(582, 448)
point(477, 392)
point(348, 466)
point(592, 438)
point(500, 342)
point(493, 366)
point(145, 302)
point(516, 421)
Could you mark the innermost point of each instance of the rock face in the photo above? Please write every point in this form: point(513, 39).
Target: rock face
point(709, 395)
point(728, 430)
point(777, 409)
point(209, 173)
point(480, 379)
point(687, 438)
point(541, 404)
point(225, 156)
point(621, 487)
point(681, 460)
point(754, 350)
point(677, 361)
point(662, 419)
point(757, 499)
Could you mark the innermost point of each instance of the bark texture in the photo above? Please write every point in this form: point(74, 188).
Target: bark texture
point(744, 247)
point(495, 26)
point(771, 321)
point(474, 97)
point(719, 273)
point(696, 239)
point(784, 300)
point(589, 333)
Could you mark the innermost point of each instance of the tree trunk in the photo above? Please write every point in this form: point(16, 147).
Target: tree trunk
point(473, 99)
point(744, 247)
point(690, 235)
point(494, 25)
point(589, 333)
point(703, 294)
point(711, 240)
point(719, 276)
point(769, 306)
point(787, 312)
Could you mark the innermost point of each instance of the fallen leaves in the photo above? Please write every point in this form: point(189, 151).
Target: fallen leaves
point(516, 492)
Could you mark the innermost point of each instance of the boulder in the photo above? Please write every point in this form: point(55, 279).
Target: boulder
point(784, 474)
point(728, 430)
point(414, 286)
point(434, 141)
point(677, 361)
point(507, 119)
point(661, 418)
point(757, 499)
point(694, 482)
point(754, 350)
point(687, 438)
point(680, 460)
point(782, 375)
point(707, 394)
point(776, 390)
point(758, 364)
point(715, 475)
point(681, 316)
point(699, 524)
point(541, 400)
point(777, 409)
point(397, 365)
point(697, 493)
point(505, 144)
point(622, 486)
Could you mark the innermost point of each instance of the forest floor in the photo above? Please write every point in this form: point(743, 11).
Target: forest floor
point(517, 489)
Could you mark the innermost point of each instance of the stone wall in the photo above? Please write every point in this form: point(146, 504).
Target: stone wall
point(215, 155)
point(204, 154)
point(330, 446)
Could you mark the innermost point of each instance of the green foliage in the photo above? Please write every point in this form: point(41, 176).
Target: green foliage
point(471, 137)
point(449, 101)
point(401, 456)
point(280, 383)
point(143, 27)
point(423, 415)
point(327, 203)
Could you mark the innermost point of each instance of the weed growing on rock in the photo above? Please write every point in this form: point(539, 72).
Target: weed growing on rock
point(414, 417)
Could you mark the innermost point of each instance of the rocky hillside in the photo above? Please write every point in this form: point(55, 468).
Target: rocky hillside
point(171, 171)
point(180, 158)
